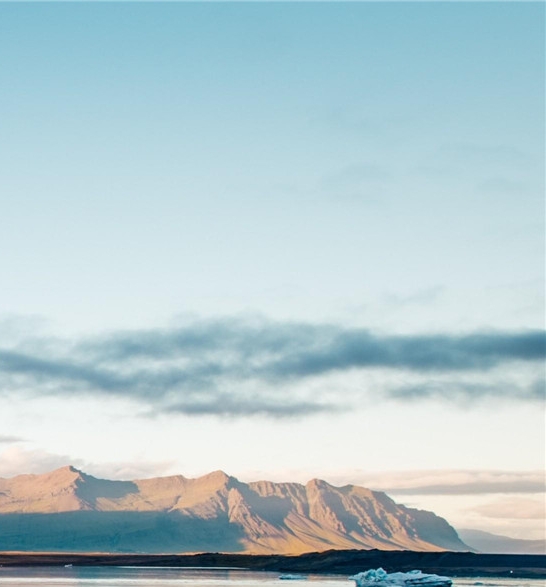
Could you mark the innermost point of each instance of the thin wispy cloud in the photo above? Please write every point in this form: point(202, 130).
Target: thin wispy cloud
point(451, 482)
point(16, 460)
point(6, 439)
point(424, 296)
point(226, 405)
point(465, 391)
point(238, 367)
point(516, 508)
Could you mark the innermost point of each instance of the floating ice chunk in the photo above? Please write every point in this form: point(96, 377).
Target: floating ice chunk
point(380, 578)
point(289, 577)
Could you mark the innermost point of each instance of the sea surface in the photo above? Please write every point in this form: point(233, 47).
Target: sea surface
point(176, 577)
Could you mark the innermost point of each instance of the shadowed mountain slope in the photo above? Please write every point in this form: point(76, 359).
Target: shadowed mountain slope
point(70, 510)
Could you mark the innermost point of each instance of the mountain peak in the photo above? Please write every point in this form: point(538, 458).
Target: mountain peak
point(318, 484)
point(63, 475)
point(218, 474)
point(219, 478)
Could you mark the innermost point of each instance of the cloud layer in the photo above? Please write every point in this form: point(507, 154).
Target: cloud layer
point(456, 482)
point(242, 367)
point(514, 508)
point(5, 439)
point(16, 461)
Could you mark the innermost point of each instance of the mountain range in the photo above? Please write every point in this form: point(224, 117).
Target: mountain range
point(69, 510)
point(496, 544)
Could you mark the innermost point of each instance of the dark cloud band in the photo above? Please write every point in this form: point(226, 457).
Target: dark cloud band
point(217, 366)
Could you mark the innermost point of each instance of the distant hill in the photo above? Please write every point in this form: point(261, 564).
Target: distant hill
point(68, 510)
point(496, 544)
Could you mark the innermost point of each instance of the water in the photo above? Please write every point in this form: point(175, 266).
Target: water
point(176, 577)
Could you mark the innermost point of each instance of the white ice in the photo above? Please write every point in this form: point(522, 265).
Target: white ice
point(380, 578)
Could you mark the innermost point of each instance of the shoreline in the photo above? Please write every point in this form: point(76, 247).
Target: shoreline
point(332, 562)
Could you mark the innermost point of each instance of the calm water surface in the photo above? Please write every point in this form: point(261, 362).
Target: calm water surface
point(175, 577)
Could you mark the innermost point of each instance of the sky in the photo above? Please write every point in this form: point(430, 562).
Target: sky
point(284, 240)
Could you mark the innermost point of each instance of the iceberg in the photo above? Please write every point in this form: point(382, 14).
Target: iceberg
point(380, 578)
point(289, 577)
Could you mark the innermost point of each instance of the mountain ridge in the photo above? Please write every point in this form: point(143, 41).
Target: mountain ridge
point(209, 513)
point(488, 542)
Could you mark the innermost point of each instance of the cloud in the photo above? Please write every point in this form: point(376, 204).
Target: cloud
point(424, 296)
point(5, 439)
point(225, 405)
point(452, 482)
point(13, 460)
point(468, 390)
point(130, 470)
point(283, 350)
point(237, 367)
point(514, 508)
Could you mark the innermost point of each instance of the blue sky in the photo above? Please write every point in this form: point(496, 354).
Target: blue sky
point(225, 221)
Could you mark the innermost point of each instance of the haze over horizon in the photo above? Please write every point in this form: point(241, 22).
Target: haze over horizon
point(284, 240)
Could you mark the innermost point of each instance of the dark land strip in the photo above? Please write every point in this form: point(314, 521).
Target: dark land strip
point(346, 562)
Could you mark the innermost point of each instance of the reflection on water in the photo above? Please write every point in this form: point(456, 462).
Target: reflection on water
point(175, 577)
